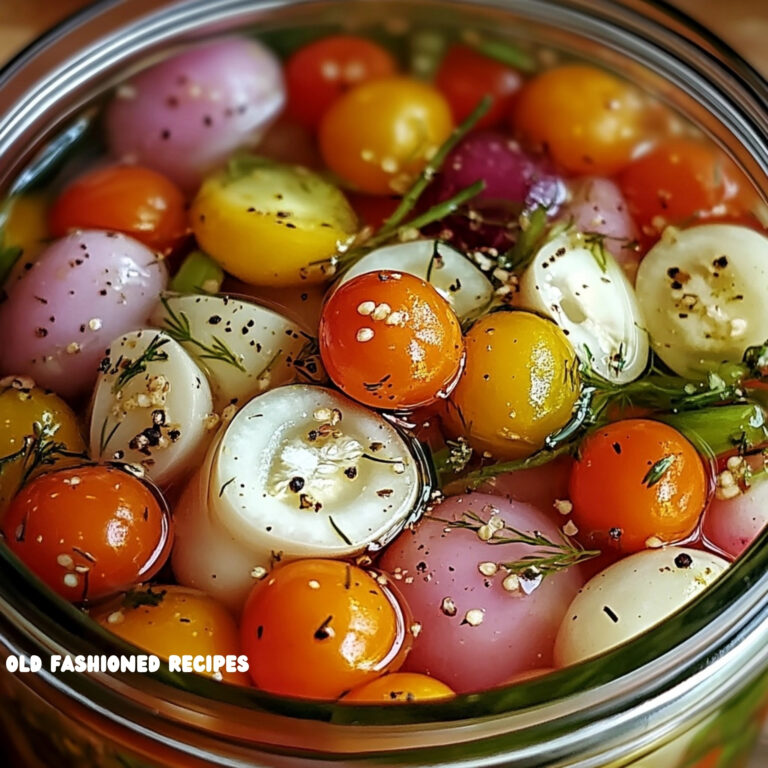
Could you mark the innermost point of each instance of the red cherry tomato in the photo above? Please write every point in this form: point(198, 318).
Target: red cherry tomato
point(465, 76)
point(127, 198)
point(320, 72)
point(318, 628)
point(637, 483)
point(89, 531)
point(389, 340)
point(682, 180)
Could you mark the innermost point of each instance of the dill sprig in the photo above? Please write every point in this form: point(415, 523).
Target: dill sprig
point(549, 557)
point(133, 368)
point(40, 449)
point(178, 327)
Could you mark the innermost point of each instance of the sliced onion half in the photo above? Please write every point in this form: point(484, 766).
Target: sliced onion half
point(301, 471)
point(245, 348)
point(151, 406)
point(580, 286)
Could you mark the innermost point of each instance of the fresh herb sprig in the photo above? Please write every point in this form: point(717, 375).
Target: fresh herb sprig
point(549, 557)
point(398, 224)
point(178, 327)
point(40, 449)
point(133, 368)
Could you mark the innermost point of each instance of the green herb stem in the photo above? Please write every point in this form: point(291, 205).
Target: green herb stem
point(414, 193)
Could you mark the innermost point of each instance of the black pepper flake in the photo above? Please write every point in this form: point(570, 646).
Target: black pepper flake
point(323, 632)
point(385, 493)
point(165, 134)
point(610, 614)
point(259, 632)
point(351, 472)
point(41, 333)
point(684, 560)
point(296, 484)
point(721, 263)
point(615, 533)
point(617, 448)
point(677, 285)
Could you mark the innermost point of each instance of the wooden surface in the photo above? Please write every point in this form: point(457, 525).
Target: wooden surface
point(743, 23)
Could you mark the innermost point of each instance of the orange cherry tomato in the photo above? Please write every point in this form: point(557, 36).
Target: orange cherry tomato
point(172, 620)
point(637, 483)
point(378, 136)
point(681, 180)
point(318, 73)
point(127, 198)
point(389, 340)
point(317, 628)
point(465, 76)
point(399, 687)
point(89, 531)
point(588, 120)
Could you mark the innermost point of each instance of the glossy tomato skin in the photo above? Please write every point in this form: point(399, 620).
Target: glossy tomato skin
point(519, 384)
point(389, 340)
point(318, 73)
point(378, 136)
point(681, 181)
point(399, 687)
point(88, 531)
point(588, 120)
point(130, 199)
point(465, 76)
point(637, 483)
point(317, 628)
point(168, 620)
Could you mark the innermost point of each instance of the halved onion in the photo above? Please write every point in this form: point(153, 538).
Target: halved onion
point(245, 348)
point(301, 471)
point(702, 291)
point(577, 283)
point(452, 274)
point(150, 406)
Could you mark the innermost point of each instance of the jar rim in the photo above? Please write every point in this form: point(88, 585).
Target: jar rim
point(656, 663)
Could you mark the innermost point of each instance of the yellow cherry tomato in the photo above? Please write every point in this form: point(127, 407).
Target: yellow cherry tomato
point(317, 628)
point(588, 120)
point(379, 136)
point(271, 224)
point(22, 407)
point(26, 225)
point(398, 687)
point(519, 384)
point(172, 620)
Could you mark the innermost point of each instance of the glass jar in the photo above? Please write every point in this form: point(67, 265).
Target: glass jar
point(689, 693)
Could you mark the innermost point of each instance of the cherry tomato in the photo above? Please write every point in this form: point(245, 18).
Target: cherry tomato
point(389, 340)
point(317, 628)
point(172, 620)
point(399, 687)
point(30, 413)
point(680, 180)
point(320, 72)
point(127, 198)
point(589, 121)
point(637, 483)
point(519, 385)
point(379, 136)
point(89, 531)
point(465, 76)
